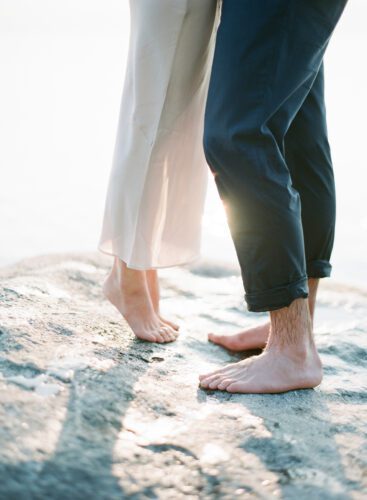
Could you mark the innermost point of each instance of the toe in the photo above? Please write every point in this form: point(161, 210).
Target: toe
point(168, 334)
point(215, 383)
point(239, 387)
point(226, 341)
point(222, 386)
point(159, 337)
point(215, 338)
point(170, 323)
point(175, 335)
point(171, 336)
point(204, 383)
point(208, 380)
point(149, 337)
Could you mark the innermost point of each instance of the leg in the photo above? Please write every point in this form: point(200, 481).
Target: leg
point(290, 360)
point(270, 70)
point(153, 286)
point(268, 55)
point(308, 157)
point(149, 221)
point(257, 337)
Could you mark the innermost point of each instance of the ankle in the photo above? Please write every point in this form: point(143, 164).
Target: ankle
point(127, 279)
point(118, 270)
point(300, 348)
point(291, 328)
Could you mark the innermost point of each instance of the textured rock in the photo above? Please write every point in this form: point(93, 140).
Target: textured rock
point(88, 411)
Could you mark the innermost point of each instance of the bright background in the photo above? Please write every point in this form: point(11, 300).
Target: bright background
point(62, 71)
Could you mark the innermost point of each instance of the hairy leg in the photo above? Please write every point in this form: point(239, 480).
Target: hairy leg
point(257, 337)
point(127, 289)
point(290, 360)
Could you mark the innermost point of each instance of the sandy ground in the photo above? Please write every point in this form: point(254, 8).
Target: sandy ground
point(89, 412)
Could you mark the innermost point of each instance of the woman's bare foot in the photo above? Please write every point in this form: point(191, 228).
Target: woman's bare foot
point(257, 337)
point(153, 285)
point(290, 360)
point(128, 291)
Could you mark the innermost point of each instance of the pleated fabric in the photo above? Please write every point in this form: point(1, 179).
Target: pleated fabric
point(157, 185)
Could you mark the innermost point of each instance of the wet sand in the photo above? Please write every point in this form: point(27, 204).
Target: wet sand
point(88, 411)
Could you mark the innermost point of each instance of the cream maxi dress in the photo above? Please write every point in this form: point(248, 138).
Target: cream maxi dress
point(158, 179)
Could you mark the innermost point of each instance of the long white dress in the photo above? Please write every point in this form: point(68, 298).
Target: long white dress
point(158, 180)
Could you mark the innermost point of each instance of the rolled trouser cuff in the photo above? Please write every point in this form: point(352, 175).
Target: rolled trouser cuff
point(318, 269)
point(278, 297)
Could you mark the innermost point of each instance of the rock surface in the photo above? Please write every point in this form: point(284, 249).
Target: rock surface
point(89, 412)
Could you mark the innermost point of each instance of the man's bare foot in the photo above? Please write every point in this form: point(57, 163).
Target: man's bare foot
point(153, 286)
point(128, 291)
point(257, 337)
point(252, 338)
point(290, 360)
point(270, 372)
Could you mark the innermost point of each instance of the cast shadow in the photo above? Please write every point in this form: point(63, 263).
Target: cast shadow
point(81, 465)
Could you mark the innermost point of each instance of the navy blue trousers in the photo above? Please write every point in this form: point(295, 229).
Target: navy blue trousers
point(265, 140)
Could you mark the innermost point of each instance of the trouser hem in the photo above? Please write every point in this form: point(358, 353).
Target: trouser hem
point(319, 269)
point(276, 298)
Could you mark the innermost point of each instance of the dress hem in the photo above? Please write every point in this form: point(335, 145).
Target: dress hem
point(148, 267)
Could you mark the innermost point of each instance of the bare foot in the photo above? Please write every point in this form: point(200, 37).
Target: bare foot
point(252, 338)
point(127, 290)
point(153, 285)
point(290, 360)
point(257, 337)
point(270, 372)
